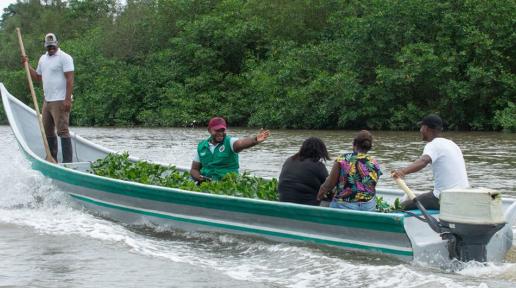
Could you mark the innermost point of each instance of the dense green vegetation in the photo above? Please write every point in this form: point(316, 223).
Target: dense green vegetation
point(378, 64)
point(119, 166)
point(385, 207)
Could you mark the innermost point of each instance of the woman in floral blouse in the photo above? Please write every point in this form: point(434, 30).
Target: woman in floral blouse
point(355, 174)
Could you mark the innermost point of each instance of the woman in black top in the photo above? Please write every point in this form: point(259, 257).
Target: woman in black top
point(303, 173)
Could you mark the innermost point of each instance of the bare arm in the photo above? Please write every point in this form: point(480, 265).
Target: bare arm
point(33, 74)
point(417, 165)
point(249, 142)
point(195, 171)
point(330, 182)
point(69, 89)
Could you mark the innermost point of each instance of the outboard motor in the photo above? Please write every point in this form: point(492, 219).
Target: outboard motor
point(469, 218)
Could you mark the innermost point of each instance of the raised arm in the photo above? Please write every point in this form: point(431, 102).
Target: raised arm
point(33, 74)
point(417, 165)
point(249, 142)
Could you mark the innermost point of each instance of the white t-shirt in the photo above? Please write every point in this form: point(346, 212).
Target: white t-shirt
point(52, 69)
point(448, 165)
point(211, 146)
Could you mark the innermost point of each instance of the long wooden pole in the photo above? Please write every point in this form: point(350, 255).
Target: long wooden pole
point(35, 100)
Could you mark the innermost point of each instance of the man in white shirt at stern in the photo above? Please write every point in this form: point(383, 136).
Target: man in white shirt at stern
point(448, 166)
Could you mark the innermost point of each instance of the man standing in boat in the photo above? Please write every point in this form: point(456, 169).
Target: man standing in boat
point(218, 155)
point(448, 166)
point(56, 71)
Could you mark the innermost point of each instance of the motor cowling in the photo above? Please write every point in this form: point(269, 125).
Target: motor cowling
point(471, 217)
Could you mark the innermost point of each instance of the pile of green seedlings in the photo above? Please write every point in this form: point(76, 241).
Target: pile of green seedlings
point(385, 207)
point(119, 166)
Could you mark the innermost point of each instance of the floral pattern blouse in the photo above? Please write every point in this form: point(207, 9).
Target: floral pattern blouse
point(358, 176)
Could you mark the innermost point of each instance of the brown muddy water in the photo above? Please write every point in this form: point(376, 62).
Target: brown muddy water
point(47, 241)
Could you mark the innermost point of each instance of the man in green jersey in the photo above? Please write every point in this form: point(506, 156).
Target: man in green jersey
point(218, 155)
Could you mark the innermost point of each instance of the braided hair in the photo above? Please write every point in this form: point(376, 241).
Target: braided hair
point(313, 148)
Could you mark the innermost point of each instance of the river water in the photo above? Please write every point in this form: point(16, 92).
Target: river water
point(48, 241)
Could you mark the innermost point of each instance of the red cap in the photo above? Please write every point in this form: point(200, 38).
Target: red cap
point(217, 123)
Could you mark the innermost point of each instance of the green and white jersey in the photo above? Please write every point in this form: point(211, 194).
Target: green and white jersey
point(217, 160)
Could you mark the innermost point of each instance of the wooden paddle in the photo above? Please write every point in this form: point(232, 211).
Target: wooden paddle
point(49, 157)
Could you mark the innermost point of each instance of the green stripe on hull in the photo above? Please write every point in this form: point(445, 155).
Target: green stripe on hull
point(407, 253)
point(320, 215)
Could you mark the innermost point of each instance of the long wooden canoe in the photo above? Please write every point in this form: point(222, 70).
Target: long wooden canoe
point(396, 234)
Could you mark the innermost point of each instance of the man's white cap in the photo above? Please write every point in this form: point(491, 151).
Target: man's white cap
point(50, 40)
